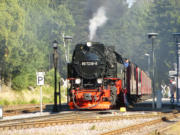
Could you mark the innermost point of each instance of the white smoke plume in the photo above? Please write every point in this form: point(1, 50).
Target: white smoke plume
point(98, 20)
point(130, 3)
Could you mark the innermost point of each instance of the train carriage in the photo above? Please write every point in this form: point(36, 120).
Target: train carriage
point(138, 83)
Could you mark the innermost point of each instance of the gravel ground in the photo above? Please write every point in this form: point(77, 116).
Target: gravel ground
point(77, 129)
point(29, 115)
point(37, 114)
point(152, 130)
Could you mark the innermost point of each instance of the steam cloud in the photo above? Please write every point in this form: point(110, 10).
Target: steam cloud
point(98, 20)
point(130, 3)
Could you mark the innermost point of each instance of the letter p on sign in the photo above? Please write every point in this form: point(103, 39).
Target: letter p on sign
point(40, 78)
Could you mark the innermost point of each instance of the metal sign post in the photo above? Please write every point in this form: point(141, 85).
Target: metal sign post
point(41, 99)
point(40, 82)
point(66, 46)
point(153, 36)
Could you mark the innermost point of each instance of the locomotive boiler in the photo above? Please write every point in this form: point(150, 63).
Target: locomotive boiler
point(92, 75)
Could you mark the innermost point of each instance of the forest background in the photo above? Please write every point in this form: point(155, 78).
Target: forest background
point(28, 28)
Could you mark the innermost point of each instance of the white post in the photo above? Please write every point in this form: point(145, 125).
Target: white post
point(1, 112)
point(41, 99)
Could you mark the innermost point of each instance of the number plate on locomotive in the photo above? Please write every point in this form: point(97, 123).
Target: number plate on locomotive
point(89, 63)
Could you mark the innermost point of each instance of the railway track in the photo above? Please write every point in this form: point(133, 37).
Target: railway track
point(11, 111)
point(170, 129)
point(69, 118)
point(141, 125)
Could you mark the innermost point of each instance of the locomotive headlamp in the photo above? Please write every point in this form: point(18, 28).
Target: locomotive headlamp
point(89, 44)
point(77, 81)
point(99, 80)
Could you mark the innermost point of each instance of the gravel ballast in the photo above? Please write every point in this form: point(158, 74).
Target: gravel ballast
point(77, 129)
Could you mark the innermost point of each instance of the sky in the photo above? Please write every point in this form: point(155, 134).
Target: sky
point(130, 3)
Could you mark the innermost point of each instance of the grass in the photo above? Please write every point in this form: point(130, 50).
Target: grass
point(9, 97)
point(33, 101)
point(93, 127)
point(4, 102)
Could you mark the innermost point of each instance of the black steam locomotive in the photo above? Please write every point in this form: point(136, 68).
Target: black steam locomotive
point(93, 77)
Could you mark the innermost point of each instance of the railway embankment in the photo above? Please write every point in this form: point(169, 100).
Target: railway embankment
point(9, 97)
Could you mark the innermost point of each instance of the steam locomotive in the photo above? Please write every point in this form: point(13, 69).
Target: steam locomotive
point(94, 82)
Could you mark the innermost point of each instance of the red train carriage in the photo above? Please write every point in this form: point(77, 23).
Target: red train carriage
point(138, 84)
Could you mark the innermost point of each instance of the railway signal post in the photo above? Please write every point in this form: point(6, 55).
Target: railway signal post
point(153, 36)
point(177, 36)
point(56, 94)
point(65, 40)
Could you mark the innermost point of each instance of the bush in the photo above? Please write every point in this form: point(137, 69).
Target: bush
point(20, 82)
point(4, 102)
point(32, 79)
point(23, 80)
point(34, 101)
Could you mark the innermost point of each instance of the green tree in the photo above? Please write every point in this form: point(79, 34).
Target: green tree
point(27, 31)
point(11, 25)
point(164, 19)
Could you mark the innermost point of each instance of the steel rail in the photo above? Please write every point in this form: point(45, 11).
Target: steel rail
point(80, 118)
point(141, 125)
point(43, 117)
point(163, 130)
point(77, 114)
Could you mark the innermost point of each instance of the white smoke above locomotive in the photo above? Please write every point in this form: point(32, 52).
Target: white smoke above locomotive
point(98, 20)
point(99, 17)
